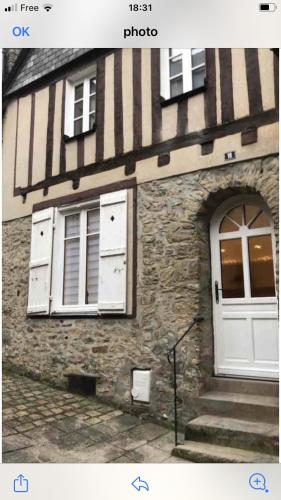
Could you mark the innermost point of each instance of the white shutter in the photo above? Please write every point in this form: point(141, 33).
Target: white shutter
point(113, 253)
point(164, 74)
point(69, 109)
point(40, 262)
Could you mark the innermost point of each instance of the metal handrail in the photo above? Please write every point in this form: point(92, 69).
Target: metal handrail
point(195, 321)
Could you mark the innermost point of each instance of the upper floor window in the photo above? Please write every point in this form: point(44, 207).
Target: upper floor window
point(80, 110)
point(182, 70)
point(84, 105)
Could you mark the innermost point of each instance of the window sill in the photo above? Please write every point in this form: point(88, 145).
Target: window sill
point(60, 311)
point(67, 138)
point(182, 97)
point(73, 315)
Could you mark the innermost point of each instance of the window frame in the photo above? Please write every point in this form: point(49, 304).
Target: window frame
point(78, 78)
point(187, 73)
point(244, 232)
point(215, 236)
point(57, 306)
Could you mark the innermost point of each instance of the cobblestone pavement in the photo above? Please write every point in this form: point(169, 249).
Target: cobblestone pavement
point(44, 424)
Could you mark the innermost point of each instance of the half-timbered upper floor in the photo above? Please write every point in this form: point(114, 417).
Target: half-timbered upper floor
point(81, 118)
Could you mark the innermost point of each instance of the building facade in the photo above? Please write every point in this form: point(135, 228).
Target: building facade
point(140, 189)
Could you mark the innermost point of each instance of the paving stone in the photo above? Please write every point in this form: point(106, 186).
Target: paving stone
point(109, 416)
point(91, 421)
point(124, 459)
point(38, 423)
point(53, 454)
point(22, 413)
point(176, 460)
point(35, 416)
point(46, 413)
point(25, 427)
point(7, 430)
point(105, 429)
point(92, 433)
point(106, 409)
point(99, 453)
point(147, 454)
point(57, 411)
point(147, 431)
point(20, 456)
point(60, 417)
point(124, 442)
point(74, 441)
point(67, 396)
point(93, 413)
point(166, 442)
point(15, 442)
point(45, 434)
point(71, 424)
point(119, 424)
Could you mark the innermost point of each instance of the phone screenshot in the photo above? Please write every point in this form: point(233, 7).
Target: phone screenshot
point(140, 210)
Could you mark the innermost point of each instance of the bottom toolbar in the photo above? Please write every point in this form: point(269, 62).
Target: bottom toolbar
point(163, 481)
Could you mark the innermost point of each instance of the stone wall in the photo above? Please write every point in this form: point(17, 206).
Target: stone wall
point(173, 285)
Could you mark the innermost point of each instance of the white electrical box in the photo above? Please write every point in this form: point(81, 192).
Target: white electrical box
point(141, 385)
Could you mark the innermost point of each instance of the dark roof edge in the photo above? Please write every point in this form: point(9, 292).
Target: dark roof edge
point(58, 72)
point(24, 53)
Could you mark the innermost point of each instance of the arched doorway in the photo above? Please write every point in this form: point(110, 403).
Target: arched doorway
point(245, 307)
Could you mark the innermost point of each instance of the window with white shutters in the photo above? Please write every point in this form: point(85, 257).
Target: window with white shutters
point(182, 70)
point(89, 273)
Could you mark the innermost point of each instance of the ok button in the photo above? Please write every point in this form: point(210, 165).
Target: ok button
point(21, 31)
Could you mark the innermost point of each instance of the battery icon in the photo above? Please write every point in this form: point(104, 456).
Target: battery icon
point(267, 7)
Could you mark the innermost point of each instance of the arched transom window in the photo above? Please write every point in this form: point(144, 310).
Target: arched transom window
point(246, 252)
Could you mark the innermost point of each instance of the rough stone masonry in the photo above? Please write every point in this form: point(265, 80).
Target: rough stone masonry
point(173, 284)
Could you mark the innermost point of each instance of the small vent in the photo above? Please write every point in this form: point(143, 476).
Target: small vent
point(82, 384)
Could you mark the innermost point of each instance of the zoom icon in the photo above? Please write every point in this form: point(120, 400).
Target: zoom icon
point(257, 481)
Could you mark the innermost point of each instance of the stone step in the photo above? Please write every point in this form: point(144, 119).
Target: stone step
point(244, 434)
point(195, 451)
point(243, 406)
point(245, 386)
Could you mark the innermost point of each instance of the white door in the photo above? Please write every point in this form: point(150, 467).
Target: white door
point(244, 294)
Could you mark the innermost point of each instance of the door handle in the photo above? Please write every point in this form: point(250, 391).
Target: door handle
point(217, 290)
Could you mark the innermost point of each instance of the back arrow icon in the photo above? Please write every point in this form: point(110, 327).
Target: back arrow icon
point(138, 483)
